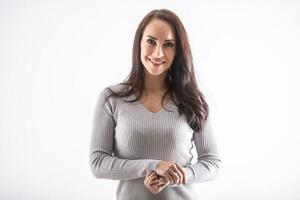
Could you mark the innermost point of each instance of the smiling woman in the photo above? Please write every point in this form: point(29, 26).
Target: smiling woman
point(157, 47)
point(145, 127)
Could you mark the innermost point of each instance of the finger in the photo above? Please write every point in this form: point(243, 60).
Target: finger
point(162, 182)
point(178, 173)
point(169, 177)
point(153, 189)
point(150, 179)
point(179, 167)
point(159, 181)
point(175, 177)
point(147, 176)
point(154, 182)
point(161, 187)
point(149, 173)
point(157, 184)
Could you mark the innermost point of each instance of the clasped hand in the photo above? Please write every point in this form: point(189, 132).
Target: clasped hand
point(166, 173)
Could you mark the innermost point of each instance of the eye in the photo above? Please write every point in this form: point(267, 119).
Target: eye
point(150, 41)
point(169, 44)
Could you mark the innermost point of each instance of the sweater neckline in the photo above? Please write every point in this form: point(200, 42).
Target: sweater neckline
point(148, 111)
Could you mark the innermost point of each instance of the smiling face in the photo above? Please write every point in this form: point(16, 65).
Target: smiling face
point(157, 47)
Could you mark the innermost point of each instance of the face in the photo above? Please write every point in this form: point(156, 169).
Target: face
point(157, 47)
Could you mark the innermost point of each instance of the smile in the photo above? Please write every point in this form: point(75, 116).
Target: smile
point(156, 63)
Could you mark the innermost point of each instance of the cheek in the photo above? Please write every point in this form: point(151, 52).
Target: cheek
point(170, 54)
point(145, 51)
point(144, 54)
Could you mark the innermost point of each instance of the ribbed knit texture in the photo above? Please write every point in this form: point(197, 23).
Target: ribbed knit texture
point(128, 140)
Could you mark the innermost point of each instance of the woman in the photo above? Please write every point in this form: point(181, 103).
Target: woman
point(144, 128)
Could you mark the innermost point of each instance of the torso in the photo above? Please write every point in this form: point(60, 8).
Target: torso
point(152, 102)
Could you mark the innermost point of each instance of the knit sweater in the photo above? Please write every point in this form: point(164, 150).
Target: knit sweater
point(128, 140)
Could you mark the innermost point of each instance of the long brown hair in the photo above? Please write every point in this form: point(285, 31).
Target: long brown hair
point(181, 77)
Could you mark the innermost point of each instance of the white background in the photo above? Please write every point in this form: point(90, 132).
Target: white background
point(56, 56)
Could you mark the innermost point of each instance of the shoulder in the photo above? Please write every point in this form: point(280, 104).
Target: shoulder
point(106, 100)
point(117, 88)
point(106, 96)
point(113, 103)
point(106, 91)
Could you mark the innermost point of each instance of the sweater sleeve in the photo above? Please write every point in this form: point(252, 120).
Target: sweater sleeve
point(208, 161)
point(102, 161)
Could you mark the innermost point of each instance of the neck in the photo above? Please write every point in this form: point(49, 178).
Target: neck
point(155, 84)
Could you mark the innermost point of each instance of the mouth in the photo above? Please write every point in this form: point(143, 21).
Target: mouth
point(156, 63)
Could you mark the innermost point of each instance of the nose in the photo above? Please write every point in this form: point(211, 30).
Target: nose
point(158, 52)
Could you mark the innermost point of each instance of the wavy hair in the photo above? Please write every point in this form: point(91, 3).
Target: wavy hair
point(181, 78)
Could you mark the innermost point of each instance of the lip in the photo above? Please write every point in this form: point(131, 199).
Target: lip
point(156, 63)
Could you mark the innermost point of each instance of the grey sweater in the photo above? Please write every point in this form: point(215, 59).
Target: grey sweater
point(128, 140)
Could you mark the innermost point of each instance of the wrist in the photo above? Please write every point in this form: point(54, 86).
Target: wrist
point(157, 164)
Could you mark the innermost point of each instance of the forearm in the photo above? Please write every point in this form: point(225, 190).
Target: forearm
point(204, 169)
point(201, 171)
point(102, 162)
point(208, 162)
point(106, 166)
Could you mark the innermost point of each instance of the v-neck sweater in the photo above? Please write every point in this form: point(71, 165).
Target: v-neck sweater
point(128, 140)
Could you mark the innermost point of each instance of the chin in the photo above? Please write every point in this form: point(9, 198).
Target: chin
point(156, 72)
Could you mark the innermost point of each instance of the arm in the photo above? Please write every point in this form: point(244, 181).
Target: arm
point(102, 162)
point(208, 162)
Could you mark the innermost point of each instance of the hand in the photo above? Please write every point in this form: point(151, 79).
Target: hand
point(172, 171)
point(155, 183)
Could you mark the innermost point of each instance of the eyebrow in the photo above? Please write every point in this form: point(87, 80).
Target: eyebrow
point(169, 40)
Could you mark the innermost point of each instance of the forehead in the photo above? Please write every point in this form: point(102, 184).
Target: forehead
point(159, 29)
